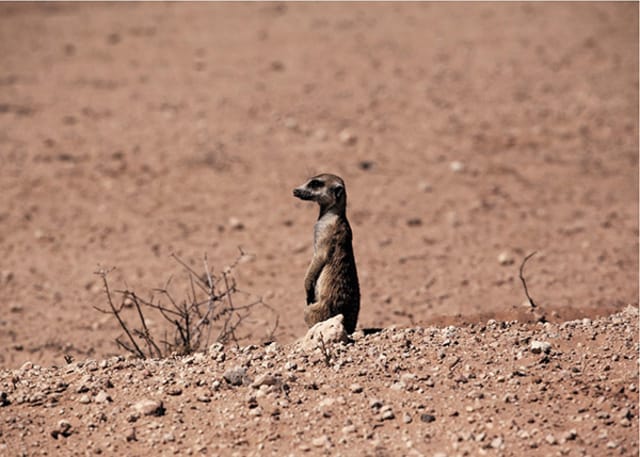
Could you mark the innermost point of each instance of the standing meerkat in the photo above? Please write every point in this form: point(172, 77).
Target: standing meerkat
point(331, 282)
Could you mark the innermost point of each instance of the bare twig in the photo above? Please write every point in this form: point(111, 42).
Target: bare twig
point(325, 351)
point(116, 312)
point(209, 303)
point(524, 282)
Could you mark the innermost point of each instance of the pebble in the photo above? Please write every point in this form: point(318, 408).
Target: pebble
point(538, 347)
point(386, 413)
point(570, 435)
point(456, 166)
point(265, 379)
point(347, 137)
point(321, 441)
point(84, 399)
point(63, 429)
point(235, 376)
point(355, 388)
point(406, 418)
point(496, 443)
point(130, 435)
point(103, 397)
point(148, 407)
point(550, 439)
point(505, 258)
point(427, 418)
point(235, 223)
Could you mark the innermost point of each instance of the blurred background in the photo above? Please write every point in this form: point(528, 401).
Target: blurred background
point(469, 135)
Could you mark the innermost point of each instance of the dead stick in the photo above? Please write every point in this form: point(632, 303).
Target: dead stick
point(524, 282)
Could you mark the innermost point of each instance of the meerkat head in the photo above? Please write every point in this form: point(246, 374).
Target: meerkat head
point(325, 189)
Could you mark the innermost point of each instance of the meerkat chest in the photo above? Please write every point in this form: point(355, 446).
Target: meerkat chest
point(322, 230)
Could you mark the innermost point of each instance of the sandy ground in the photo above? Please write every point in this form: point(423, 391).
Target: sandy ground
point(469, 135)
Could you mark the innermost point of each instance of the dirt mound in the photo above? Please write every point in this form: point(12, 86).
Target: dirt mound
point(503, 388)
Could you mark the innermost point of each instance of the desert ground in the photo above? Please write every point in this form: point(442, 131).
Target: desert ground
point(469, 135)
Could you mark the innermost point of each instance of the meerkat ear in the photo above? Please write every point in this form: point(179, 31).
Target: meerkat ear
point(338, 190)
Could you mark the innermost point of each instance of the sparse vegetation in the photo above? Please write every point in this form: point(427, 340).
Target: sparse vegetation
point(212, 309)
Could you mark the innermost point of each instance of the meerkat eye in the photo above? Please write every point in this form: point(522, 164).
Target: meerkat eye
point(315, 184)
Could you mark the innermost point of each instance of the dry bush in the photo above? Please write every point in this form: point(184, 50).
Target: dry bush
point(212, 309)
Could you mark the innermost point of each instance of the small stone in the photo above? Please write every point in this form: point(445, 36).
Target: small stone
point(149, 407)
point(612, 445)
point(265, 379)
point(355, 388)
point(374, 403)
point(538, 347)
point(235, 223)
point(16, 308)
point(103, 397)
point(174, 391)
point(504, 258)
point(63, 429)
point(386, 413)
point(496, 443)
point(406, 418)
point(130, 435)
point(427, 418)
point(424, 186)
point(321, 441)
point(349, 429)
point(235, 376)
point(325, 333)
point(168, 438)
point(456, 166)
point(347, 137)
point(84, 399)
point(4, 400)
point(550, 439)
point(570, 435)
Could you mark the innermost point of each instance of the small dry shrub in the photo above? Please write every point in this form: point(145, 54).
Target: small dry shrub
point(212, 309)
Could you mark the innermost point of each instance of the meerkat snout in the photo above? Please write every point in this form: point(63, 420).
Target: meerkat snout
point(331, 282)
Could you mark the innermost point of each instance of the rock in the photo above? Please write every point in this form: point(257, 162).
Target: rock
point(103, 397)
point(496, 443)
point(355, 388)
point(235, 376)
point(265, 379)
point(63, 429)
point(347, 137)
point(456, 166)
point(504, 258)
point(424, 186)
point(4, 400)
point(550, 439)
point(148, 407)
point(406, 418)
point(570, 435)
point(235, 223)
point(84, 399)
point(328, 332)
point(427, 418)
point(130, 435)
point(538, 347)
point(321, 441)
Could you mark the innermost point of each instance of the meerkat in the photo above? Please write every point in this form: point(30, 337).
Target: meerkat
point(331, 281)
